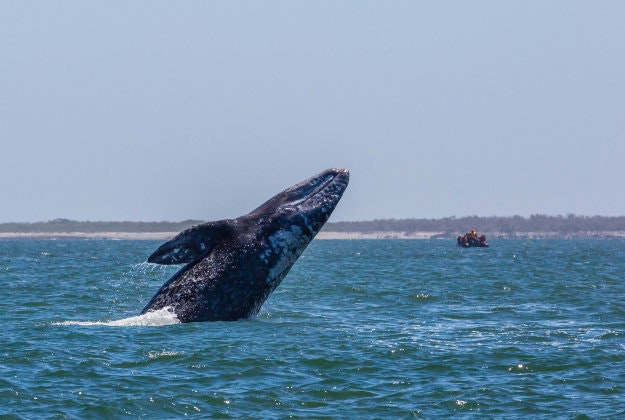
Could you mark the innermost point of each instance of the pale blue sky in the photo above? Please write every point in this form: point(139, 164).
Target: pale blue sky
point(153, 110)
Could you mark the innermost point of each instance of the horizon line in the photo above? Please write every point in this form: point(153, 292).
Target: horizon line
point(568, 215)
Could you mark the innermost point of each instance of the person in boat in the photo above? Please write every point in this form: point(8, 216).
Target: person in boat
point(473, 238)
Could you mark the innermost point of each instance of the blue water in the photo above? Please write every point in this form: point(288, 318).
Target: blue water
point(358, 329)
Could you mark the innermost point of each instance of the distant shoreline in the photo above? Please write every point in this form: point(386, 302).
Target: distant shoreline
point(323, 235)
point(536, 226)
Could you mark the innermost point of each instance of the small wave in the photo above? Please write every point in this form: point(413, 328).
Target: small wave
point(151, 319)
point(164, 353)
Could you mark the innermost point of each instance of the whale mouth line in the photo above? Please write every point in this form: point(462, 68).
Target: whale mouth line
point(321, 186)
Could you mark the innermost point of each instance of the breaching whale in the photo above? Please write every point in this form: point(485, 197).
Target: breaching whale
point(233, 265)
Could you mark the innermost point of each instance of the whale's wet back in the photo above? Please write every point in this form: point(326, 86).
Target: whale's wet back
point(233, 265)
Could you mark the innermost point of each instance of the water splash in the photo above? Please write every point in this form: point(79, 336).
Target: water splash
point(151, 319)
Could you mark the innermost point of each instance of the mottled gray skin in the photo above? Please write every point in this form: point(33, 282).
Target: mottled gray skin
point(233, 265)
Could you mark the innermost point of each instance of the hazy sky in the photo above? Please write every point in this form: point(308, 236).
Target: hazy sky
point(153, 110)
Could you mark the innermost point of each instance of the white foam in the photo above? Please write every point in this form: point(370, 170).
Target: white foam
point(151, 319)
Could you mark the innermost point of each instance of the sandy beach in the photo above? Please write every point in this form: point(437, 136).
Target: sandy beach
point(169, 235)
point(89, 235)
point(377, 235)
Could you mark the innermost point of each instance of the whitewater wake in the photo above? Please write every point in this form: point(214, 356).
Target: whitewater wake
point(150, 319)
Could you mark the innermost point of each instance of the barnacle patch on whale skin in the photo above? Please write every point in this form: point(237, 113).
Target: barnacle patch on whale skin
point(286, 246)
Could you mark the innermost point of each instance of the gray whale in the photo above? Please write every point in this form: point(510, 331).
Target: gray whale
point(233, 265)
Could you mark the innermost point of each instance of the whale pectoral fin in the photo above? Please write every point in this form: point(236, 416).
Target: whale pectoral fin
point(190, 245)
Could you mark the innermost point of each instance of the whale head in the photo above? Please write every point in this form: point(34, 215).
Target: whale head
point(306, 205)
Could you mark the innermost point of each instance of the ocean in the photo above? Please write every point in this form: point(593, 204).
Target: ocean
point(358, 329)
